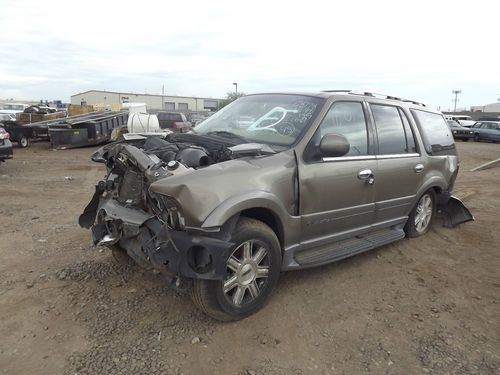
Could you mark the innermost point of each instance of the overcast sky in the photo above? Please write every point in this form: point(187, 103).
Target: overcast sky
point(417, 49)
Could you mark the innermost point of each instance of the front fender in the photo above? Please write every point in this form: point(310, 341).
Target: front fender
point(236, 204)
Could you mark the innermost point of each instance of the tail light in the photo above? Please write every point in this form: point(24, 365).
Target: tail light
point(4, 134)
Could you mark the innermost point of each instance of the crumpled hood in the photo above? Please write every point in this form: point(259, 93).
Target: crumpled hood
point(199, 192)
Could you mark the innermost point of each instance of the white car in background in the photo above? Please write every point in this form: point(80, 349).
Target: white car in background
point(13, 108)
point(463, 120)
point(7, 117)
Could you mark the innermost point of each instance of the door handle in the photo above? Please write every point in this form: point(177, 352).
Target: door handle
point(367, 175)
point(419, 168)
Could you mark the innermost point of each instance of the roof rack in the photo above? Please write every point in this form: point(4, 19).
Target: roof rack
point(376, 95)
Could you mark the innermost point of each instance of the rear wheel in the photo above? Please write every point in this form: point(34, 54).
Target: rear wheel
point(420, 217)
point(23, 142)
point(253, 268)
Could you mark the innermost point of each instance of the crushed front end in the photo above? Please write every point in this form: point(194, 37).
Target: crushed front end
point(124, 214)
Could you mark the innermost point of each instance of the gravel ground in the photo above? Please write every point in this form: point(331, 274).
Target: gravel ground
point(426, 305)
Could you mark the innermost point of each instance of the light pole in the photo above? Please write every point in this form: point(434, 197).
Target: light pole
point(236, 84)
point(456, 92)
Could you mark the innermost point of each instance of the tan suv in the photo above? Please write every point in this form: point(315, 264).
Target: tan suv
point(305, 180)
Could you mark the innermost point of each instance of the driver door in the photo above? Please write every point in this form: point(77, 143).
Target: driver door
point(337, 193)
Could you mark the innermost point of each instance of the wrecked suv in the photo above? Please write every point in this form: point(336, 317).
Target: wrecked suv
point(274, 182)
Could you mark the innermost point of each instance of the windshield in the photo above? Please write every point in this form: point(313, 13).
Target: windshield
point(274, 119)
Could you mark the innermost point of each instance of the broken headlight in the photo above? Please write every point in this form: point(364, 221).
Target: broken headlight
point(168, 210)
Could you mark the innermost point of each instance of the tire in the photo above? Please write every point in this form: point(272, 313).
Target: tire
point(465, 139)
point(255, 250)
point(23, 142)
point(121, 256)
point(418, 224)
point(476, 138)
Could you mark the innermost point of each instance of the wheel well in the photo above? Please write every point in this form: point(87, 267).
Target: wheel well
point(437, 190)
point(267, 217)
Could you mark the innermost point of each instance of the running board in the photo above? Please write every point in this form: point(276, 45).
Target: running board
point(346, 248)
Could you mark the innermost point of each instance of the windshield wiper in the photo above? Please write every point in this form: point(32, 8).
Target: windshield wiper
point(226, 134)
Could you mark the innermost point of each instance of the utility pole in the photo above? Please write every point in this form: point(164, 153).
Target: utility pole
point(456, 92)
point(236, 84)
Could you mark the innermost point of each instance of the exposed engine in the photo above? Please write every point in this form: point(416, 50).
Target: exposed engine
point(134, 164)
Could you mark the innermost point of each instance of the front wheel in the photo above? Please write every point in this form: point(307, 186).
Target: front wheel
point(253, 268)
point(420, 217)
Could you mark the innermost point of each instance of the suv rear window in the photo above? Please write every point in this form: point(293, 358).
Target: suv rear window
point(435, 133)
point(170, 117)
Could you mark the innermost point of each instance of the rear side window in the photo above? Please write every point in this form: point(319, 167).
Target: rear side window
point(410, 137)
point(393, 130)
point(435, 133)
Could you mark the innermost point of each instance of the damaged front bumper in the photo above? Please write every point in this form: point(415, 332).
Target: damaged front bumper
point(151, 243)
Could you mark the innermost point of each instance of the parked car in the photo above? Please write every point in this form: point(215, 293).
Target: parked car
point(314, 178)
point(174, 121)
point(13, 108)
point(5, 145)
point(459, 131)
point(487, 131)
point(7, 117)
point(40, 109)
point(463, 120)
point(195, 118)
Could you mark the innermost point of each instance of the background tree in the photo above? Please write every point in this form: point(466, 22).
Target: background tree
point(230, 97)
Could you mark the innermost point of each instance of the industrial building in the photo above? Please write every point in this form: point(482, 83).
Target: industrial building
point(492, 107)
point(113, 99)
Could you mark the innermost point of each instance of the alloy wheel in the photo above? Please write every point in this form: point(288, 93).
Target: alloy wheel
point(248, 271)
point(423, 213)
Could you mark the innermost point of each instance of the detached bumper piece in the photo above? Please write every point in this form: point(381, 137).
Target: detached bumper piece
point(454, 212)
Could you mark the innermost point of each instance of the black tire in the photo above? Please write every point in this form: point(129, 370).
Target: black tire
point(23, 142)
point(209, 295)
point(412, 228)
point(121, 256)
point(476, 138)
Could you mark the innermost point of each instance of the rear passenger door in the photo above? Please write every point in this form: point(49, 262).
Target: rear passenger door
point(399, 164)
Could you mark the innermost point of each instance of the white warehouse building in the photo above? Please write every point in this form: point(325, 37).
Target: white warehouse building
point(113, 99)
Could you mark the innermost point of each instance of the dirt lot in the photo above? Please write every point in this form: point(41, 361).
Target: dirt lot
point(426, 305)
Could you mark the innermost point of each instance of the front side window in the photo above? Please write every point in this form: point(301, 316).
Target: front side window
point(391, 131)
point(347, 119)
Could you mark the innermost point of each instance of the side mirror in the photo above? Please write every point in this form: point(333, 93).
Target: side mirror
point(334, 145)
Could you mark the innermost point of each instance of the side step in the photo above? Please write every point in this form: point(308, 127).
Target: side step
point(346, 248)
